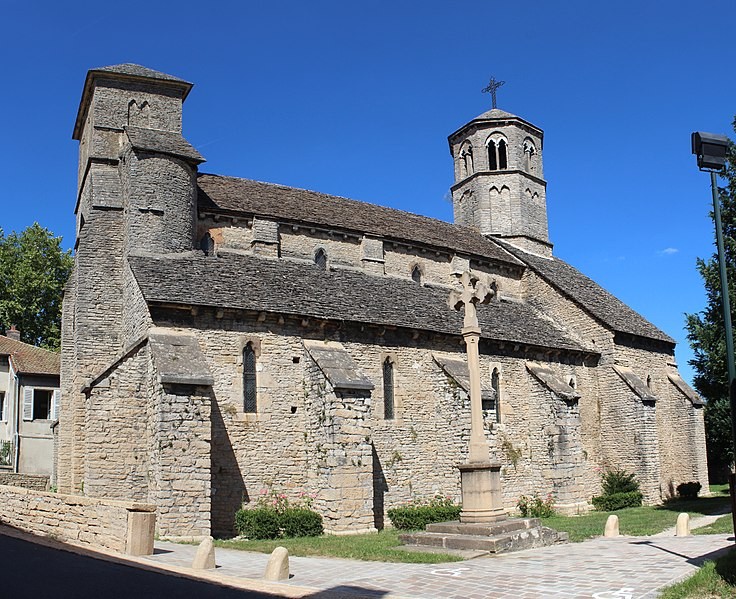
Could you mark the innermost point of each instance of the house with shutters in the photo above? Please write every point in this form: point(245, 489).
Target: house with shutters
point(29, 400)
point(222, 336)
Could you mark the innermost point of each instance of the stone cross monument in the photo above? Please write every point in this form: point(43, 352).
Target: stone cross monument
point(480, 479)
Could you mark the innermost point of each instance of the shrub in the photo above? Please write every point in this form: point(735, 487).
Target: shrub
point(417, 514)
point(300, 522)
point(258, 523)
point(617, 501)
point(689, 490)
point(536, 507)
point(274, 516)
point(619, 481)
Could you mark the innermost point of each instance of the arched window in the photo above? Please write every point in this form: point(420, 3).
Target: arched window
point(649, 382)
point(572, 382)
point(497, 153)
point(496, 386)
point(466, 160)
point(416, 274)
point(207, 244)
point(388, 389)
point(250, 392)
point(492, 158)
point(529, 153)
point(502, 158)
point(320, 259)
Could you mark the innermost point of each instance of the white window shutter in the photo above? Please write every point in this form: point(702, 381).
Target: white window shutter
point(28, 403)
point(55, 404)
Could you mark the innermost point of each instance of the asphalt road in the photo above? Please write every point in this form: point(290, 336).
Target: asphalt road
point(28, 570)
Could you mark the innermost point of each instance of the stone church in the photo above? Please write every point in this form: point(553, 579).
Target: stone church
point(222, 336)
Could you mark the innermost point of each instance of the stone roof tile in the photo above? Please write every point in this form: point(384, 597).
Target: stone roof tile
point(136, 70)
point(289, 287)
point(29, 359)
point(338, 365)
point(289, 204)
point(605, 307)
point(179, 359)
point(166, 142)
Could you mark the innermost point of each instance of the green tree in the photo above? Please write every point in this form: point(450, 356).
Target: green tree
point(706, 333)
point(33, 271)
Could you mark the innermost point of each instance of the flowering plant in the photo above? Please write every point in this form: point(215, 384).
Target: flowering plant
point(536, 507)
point(272, 499)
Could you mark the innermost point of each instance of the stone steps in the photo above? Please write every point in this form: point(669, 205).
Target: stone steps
point(500, 537)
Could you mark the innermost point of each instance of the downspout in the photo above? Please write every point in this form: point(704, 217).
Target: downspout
point(16, 407)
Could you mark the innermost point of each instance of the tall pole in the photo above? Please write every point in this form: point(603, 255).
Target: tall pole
point(724, 293)
point(729, 336)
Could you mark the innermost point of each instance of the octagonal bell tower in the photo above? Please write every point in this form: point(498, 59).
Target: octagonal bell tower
point(499, 182)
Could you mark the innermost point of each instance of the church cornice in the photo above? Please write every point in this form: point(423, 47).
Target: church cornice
point(477, 124)
point(477, 174)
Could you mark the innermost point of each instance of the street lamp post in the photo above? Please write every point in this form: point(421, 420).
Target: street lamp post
point(711, 150)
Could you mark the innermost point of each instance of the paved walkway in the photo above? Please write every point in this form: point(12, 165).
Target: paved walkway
point(622, 568)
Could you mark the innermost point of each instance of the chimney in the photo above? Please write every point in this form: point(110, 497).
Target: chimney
point(13, 333)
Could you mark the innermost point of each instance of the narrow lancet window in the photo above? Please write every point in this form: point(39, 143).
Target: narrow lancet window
point(502, 158)
point(416, 274)
point(207, 245)
point(496, 386)
point(492, 161)
point(320, 259)
point(250, 403)
point(388, 389)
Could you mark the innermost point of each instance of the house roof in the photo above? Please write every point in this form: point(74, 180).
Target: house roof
point(29, 359)
point(247, 282)
point(289, 204)
point(605, 307)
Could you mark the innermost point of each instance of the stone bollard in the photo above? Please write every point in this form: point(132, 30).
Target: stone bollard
point(278, 565)
point(205, 557)
point(683, 525)
point(611, 529)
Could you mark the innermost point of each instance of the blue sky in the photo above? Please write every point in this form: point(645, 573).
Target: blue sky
point(357, 99)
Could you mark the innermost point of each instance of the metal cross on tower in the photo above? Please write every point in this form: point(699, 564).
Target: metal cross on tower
point(493, 85)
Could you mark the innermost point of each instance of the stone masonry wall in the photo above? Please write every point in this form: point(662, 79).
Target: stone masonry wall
point(344, 251)
point(413, 455)
point(339, 455)
point(97, 522)
point(159, 203)
point(117, 437)
point(180, 450)
point(27, 481)
point(96, 310)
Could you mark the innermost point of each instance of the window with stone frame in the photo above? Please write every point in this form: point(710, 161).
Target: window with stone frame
point(496, 386)
point(497, 154)
point(388, 389)
point(466, 160)
point(416, 274)
point(207, 245)
point(320, 259)
point(529, 153)
point(250, 389)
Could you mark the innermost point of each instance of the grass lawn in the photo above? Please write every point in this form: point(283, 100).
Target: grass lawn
point(380, 546)
point(640, 521)
point(714, 579)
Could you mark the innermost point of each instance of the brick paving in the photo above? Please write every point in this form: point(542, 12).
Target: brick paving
point(622, 568)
